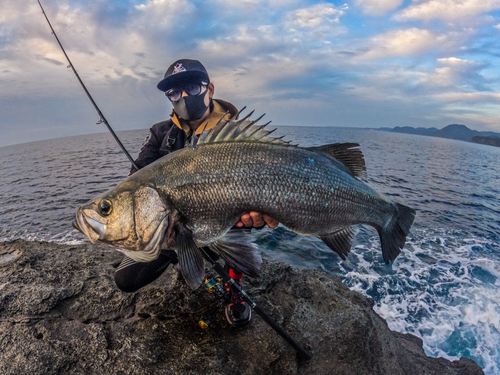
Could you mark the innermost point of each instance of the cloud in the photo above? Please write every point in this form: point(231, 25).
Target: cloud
point(455, 61)
point(452, 81)
point(256, 57)
point(401, 43)
point(262, 80)
point(164, 14)
point(319, 15)
point(443, 77)
point(245, 44)
point(97, 50)
point(427, 82)
point(458, 75)
point(448, 10)
point(469, 97)
point(52, 61)
point(259, 4)
point(378, 7)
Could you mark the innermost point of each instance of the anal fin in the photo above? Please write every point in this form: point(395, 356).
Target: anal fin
point(340, 241)
point(191, 262)
point(237, 249)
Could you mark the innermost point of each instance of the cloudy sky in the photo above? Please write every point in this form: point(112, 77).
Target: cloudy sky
point(359, 63)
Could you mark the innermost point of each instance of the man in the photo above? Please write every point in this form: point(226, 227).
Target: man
point(187, 85)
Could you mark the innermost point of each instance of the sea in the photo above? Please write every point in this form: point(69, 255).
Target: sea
point(445, 285)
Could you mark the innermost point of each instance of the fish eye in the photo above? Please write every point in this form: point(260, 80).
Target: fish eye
point(105, 207)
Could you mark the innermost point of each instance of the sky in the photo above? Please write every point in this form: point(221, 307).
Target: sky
point(359, 63)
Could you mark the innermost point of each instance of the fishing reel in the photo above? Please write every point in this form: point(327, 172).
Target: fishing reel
point(214, 286)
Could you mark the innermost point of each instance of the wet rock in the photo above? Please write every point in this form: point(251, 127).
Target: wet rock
point(60, 312)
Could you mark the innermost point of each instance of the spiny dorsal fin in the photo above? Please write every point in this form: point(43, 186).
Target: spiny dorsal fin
point(239, 131)
point(237, 115)
point(348, 155)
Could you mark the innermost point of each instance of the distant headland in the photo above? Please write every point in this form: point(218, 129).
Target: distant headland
point(453, 131)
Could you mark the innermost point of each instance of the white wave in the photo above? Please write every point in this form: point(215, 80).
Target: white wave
point(71, 237)
point(441, 289)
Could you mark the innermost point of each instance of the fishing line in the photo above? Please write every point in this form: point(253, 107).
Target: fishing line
point(101, 116)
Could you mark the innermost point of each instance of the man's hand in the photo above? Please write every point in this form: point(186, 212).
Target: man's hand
point(256, 220)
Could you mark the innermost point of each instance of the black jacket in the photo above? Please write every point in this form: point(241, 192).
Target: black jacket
point(163, 138)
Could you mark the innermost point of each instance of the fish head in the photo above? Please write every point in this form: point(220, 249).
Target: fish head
point(132, 218)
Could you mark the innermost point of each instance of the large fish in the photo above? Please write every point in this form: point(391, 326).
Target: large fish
point(192, 198)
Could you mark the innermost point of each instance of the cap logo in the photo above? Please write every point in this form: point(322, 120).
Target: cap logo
point(178, 68)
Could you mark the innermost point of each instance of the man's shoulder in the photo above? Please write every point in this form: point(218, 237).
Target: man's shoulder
point(156, 134)
point(161, 128)
point(163, 125)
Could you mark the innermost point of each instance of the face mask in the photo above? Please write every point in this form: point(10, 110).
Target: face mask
point(192, 107)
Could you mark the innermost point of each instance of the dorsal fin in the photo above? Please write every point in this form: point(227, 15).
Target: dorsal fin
point(237, 115)
point(239, 131)
point(347, 154)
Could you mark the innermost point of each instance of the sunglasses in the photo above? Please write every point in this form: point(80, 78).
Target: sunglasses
point(191, 89)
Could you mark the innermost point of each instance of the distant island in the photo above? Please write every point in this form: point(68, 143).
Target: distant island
point(492, 140)
point(453, 131)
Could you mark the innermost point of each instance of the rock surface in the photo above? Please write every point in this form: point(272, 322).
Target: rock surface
point(61, 313)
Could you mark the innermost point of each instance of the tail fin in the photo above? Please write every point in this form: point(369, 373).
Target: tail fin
point(393, 235)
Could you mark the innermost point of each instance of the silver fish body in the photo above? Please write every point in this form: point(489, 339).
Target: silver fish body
point(212, 185)
point(194, 196)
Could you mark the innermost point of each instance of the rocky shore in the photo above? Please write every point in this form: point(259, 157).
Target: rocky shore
point(490, 141)
point(60, 313)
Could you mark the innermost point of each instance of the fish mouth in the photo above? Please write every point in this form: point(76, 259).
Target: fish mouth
point(153, 248)
point(93, 229)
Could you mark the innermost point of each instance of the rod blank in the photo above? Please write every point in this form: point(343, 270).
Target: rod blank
point(102, 118)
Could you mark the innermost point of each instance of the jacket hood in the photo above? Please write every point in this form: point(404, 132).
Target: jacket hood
point(219, 111)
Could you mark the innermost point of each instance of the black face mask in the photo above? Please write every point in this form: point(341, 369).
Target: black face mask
point(192, 107)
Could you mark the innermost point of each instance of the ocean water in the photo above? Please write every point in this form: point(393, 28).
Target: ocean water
point(444, 287)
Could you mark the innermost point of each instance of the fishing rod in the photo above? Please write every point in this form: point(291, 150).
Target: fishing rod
point(102, 118)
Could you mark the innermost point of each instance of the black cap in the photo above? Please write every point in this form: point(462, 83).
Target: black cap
point(181, 71)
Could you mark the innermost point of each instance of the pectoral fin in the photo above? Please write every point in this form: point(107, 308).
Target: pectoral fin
point(237, 249)
point(191, 260)
point(339, 241)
